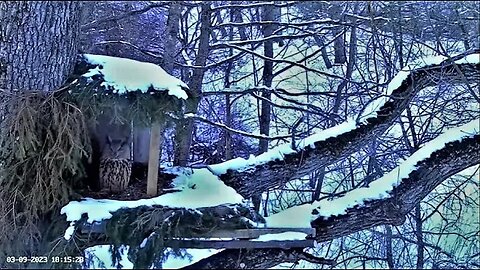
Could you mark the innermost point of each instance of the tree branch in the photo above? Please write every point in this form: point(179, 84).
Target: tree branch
point(444, 163)
point(243, 133)
point(295, 165)
point(428, 175)
point(123, 15)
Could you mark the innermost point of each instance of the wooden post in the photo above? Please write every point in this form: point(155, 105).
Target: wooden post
point(153, 157)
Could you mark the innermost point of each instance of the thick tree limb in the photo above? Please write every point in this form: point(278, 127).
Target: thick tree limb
point(296, 165)
point(443, 163)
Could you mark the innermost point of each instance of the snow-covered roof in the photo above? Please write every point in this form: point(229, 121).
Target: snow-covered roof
point(126, 75)
point(301, 216)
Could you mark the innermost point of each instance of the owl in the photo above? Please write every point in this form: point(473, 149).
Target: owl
point(115, 164)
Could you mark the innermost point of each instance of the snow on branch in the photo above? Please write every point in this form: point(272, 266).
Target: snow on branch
point(278, 153)
point(428, 174)
point(377, 190)
point(373, 107)
point(280, 164)
point(371, 110)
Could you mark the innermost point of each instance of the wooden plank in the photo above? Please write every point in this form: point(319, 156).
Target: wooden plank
point(95, 227)
point(99, 227)
point(153, 157)
point(255, 233)
point(237, 244)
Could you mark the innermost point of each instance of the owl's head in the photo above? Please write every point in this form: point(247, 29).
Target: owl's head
point(116, 148)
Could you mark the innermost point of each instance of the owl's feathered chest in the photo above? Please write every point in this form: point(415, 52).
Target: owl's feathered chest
point(115, 174)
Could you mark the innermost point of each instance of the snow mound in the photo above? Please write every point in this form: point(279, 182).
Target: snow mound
point(101, 257)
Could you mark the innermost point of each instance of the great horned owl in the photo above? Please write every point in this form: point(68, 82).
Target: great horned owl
point(115, 164)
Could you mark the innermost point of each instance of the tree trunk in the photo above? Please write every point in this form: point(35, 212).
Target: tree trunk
point(38, 44)
point(228, 104)
point(264, 121)
point(419, 236)
point(38, 47)
point(388, 247)
point(171, 42)
point(184, 131)
point(352, 54)
point(339, 42)
point(267, 15)
point(142, 134)
point(320, 43)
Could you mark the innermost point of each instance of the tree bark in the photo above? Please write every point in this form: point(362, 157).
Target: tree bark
point(38, 44)
point(268, 13)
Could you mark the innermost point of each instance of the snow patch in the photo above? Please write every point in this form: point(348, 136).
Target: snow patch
point(100, 257)
point(70, 230)
point(195, 256)
point(126, 75)
point(294, 217)
point(285, 236)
